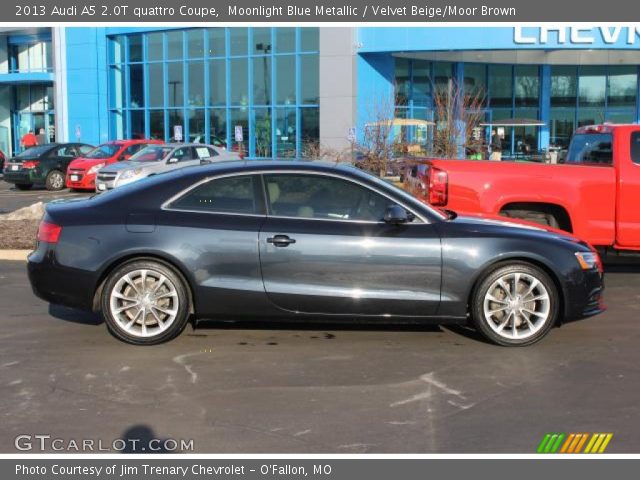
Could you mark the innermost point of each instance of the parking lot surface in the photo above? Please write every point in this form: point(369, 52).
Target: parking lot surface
point(11, 198)
point(275, 388)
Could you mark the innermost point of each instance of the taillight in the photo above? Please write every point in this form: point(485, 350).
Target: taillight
point(49, 232)
point(30, 164)
point(438, 187)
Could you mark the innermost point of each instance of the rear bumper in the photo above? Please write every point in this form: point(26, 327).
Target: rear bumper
point(21, 177)
point(585, 296)
point(58, 284)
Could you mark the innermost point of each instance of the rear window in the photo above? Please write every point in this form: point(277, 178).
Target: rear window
point(591, 148)
point(635, 147)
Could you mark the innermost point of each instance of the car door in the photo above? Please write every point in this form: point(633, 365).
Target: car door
point(180, 158)
point(217, 222)
point(324, 248)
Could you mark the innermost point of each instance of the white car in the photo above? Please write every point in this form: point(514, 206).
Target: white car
point(156, 159)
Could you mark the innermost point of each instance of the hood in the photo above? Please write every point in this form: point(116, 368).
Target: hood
point(120, 166)
point(514, 225)
point(86, 163)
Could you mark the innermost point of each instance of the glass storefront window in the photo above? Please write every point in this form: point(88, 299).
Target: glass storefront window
point(195, 43)
point(175, 84)
point(442, 73)
point(116, 49)
point(135, 48)
point(238, 39)
point(564, 86)
point(261, 41)
point(402, 81)
point(309, 39)
point(137, 123)
point(216, 42)
point(285, 132)
point(262, 80)
point(136, 85)
point(116, 86)
point(218, 126)
point(286, 84)
point(621, 116)
point(592, 86)
point(309, 125)
point(117, 124)
point(23, 101)
point(196, 125)
point(421, 77)
point(310, 79)
point(239, 84)
point(156, 124)
point(527, 86)
point(156, 85)
point(174, 45)
point(285, 40)
point(262, 132)
point(196, 84)
point(154, 46)
point(217, 82)
point(475, 79)
point(176, 117)
point(562, 126)
point(526, 138)
point(500, 85)
point(623, 86)
point(240, 116)
point(590, 116)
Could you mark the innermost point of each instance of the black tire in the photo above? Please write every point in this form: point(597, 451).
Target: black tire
point(55, 181)
point(154, 267)
point(24, 186)
point(480, 292)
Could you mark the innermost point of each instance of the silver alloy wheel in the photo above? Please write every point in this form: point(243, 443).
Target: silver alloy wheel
point(57, 180)
point(144, 303)
point(516, 306)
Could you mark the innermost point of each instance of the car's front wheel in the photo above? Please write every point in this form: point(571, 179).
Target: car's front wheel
point(145, 302)
point(515, 304)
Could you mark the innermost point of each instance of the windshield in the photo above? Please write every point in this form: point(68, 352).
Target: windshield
point(34, 151)
point(152, 153)
point(591, 148)
point(105, 150)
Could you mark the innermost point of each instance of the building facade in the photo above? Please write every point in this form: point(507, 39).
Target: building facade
point(281, 92)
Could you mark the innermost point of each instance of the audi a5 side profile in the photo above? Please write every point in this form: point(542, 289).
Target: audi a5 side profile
point(293, 240)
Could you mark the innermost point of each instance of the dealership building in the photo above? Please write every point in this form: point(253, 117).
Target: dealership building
point(280, 91)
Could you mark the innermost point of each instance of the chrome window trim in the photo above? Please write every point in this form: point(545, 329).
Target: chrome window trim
point(166, 205)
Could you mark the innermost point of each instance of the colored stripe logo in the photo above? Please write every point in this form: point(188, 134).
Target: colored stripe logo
point(574, 443)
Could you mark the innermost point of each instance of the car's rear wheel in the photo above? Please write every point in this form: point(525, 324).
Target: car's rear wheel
point(24, 186)
point(145, 303)
point(515, 304)
point(55, 180)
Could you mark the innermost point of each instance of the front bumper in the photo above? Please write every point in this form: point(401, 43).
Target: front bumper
point(585, 295)
point(81, 180)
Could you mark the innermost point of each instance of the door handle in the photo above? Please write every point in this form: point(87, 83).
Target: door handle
point(281, 240)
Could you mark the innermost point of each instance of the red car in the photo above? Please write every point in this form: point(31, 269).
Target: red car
point(82, 171)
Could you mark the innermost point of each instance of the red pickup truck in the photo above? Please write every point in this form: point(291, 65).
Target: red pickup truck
point(594, 193)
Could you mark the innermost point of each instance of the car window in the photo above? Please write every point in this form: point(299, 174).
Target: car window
point(84, 149)
point(66, 151)
point(132, 149)
point(635, 147)
point(151, 153)
point(591, 148)
point(203, 152)
point(34, 151)
point(224, 195)
point(323, 197)
point(183, 154)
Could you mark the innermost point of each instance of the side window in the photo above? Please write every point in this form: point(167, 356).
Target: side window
point(213, 152)
point(132, 149)
point(66, 151)
point(223, 195)
point(323, 197)
point(183, 154)
point(635, 147)
point(203, 152)
point(84, 149)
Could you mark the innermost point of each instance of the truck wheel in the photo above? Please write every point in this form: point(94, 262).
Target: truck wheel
point(515, 305)
point(145, 303)
point(55, 180)
point(24, 186)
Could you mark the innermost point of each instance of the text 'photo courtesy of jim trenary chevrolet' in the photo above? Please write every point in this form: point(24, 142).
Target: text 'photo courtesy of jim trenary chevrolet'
point(303, 241)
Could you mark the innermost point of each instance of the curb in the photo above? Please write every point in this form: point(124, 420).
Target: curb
point(14, 255)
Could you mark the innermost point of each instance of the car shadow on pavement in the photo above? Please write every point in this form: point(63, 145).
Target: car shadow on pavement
point(142, 439)
point(75, 316)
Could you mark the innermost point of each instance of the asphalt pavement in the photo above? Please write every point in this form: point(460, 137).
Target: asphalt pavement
point(11, 198)
point(272, 388)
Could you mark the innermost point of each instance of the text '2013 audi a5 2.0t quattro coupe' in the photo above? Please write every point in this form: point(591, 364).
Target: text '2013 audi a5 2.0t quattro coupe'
point(282, 240)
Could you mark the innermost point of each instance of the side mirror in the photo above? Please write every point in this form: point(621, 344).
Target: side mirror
point(173, 160)
point(395, 214)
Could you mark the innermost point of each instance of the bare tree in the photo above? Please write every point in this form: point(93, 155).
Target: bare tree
point(457, 114)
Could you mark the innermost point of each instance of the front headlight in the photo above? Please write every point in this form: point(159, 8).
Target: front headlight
point(131, 173)
point(589, 261)
point(95, 168)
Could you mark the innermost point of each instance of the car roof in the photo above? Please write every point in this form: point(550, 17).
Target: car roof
point(177, 145)
point(275, 164)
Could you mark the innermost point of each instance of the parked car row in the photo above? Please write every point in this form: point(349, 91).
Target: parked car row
point(81, 166)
